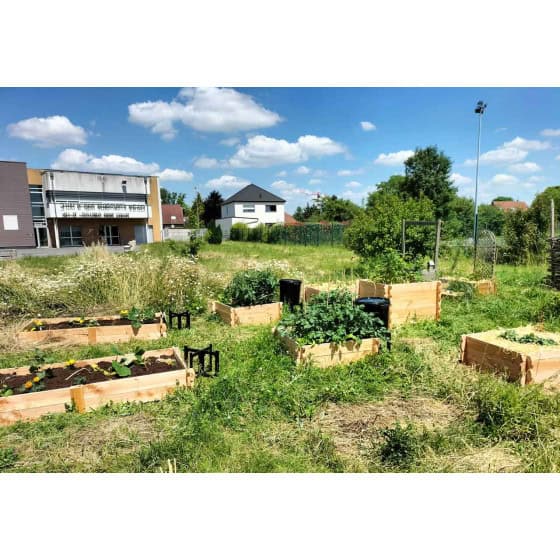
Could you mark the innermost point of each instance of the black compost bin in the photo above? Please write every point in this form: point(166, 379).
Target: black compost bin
point(379, 306)
point(290, 292)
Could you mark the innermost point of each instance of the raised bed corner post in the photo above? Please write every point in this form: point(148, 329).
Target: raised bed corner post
point(201, 354)
point(180, 316)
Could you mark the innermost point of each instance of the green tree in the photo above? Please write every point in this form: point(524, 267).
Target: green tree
point(338, 209)
point(170, 197)
point(196, 212)
point(460, 219)
point(212, 207)
point(524, 244)
point(491, 218)
point(394, 185)
point(380, 226)
point(539, 211)
point(428, 173)
point(502, 199)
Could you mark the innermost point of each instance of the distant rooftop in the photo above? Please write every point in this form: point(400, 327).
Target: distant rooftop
point(510, 205)
point(253, 193)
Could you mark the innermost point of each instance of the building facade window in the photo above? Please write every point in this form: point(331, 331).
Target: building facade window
point(248, 208)
point(70, 236)
point(270, 208)
point(109, 234)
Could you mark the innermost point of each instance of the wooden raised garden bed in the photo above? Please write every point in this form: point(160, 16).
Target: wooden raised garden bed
point(485, 287)
point(415, 300)
point(250, 315)
point(330, 354)
point(521, 362)
point(168, 367)
point(112, 328)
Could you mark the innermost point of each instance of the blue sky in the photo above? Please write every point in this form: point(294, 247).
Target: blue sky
point(293, 141)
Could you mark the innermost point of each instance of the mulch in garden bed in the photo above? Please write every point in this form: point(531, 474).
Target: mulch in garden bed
point(59, 377)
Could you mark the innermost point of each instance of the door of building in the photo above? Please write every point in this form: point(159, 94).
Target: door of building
point(140, 234)
point(41, 236)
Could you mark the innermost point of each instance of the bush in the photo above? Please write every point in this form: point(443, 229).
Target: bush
point(524, 244)
point(331, 317)
point(390, 268)
point(252, 287)
point(402, 446)
point(258, 233)
point(275, 233)
point(380, 227)
point(239, 232)
point(214, 234)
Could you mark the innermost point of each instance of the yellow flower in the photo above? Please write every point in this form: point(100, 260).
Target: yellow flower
point(36, 379)
point(28, 385)
point(70, 362)
point(37, 322)
point(81, 320)
point(124, 311)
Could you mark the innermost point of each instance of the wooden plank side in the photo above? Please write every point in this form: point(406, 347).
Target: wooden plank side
point(366, 288)
point(542, 366)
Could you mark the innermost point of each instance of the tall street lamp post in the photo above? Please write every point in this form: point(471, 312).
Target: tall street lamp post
point(479, 109)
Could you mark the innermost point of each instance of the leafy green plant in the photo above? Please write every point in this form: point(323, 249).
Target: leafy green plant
point(390, 267)
point(251, 287)
point(120, 369)
point(529, 338)
point(239, 232)
point(138, 316)
point(331, 317)
point(402, 446)
point(214, 234)
point(83, 322)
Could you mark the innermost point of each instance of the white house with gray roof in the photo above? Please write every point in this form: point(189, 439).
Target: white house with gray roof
point(252, 205)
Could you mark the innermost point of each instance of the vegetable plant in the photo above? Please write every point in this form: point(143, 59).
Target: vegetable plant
point(331, 317)
point(138, 316)
point(390, 268)
point(529, 338)
point(251, 287)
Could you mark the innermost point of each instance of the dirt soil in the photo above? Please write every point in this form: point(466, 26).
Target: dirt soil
point(76, 325)
point(67, 376)
point(352, 426)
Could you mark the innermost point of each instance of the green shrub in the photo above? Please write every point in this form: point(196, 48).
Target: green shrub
point(239, 232)
point(258, 233)
point(214, 234)
point(380, 227)
point(402, 446)
point(252, 287)
point(331, 317)
point(390, 268)
point(275, 233)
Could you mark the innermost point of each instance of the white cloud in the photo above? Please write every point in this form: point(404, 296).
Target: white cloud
point(358, 196)
point(281, 174)
point(77, 160)
point(394, 158)
point(263, 151)
point(281, 184)
point(175, 175)
point(206, 109)
point(227, 182)
point(460, 180)
point(49, 131)
point(349, 172)
point(303, 170)
point(551, 132)
point(524, 144)
point(525, 167)
point(314, 181)
point(353, 184)
point(230, 141)
point(503, 179)
point(319, 173)
point(500, 156)
point(206, 162)
point(557, 157)
point(367, 126)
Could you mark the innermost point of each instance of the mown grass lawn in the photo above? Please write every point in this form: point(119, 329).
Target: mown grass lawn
point(413, 409)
